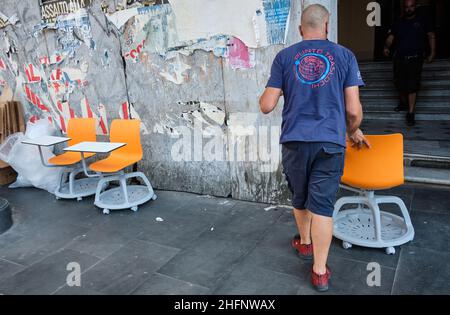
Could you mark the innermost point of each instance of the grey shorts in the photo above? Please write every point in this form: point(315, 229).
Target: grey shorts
point(313, 172)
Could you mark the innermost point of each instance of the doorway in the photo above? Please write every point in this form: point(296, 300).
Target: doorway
point(367, 42)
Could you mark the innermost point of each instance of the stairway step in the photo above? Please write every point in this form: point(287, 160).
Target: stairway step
point(389, 85)
point(436, 110)
point(371, 101)
point(427, 161)
point(424, 175)
point(381, 93)
point(387, 79)
point(401, 116)
point(420, 99)
point(387, 75)
point(375, 66)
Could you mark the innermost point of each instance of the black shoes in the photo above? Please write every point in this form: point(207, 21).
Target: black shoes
point(411, 119)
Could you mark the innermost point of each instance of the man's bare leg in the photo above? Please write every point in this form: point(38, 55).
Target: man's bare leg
point(303, 220)
point(412, 99)
point(322, 234)
point(404, 98)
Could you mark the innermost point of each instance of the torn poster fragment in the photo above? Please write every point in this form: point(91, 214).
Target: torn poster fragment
point(2, 64)
point(65, 114)
point(127, 111)
point(257, 23)
point(176, 71)
point(72, 29)
point(149, 24)
point(105, 59)
point(203, 111)
point(103, 119)
point(34, 99)
point(86, 112)
point(206, 18)
point(239, 55)
point(54, 59)
point(218, 45)
point(51, 9)
point(32, 74)
point(277, 17)
point(119, 18)
point(5, 21)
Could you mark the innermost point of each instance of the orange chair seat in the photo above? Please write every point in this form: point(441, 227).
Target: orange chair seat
point(378, 168)
point(114, 163)
point(68, 158)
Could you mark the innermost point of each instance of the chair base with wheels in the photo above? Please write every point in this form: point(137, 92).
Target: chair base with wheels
point(367, 226)
point(71, 188)
point(368, 170)
point(113, 169)
point(125, 196)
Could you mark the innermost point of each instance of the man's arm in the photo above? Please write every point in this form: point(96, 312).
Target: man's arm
point(354, 116)
point(388, 45)
point(269, 99)
point(432, 41)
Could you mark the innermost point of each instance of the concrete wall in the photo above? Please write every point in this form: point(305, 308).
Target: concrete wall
point(157, 101)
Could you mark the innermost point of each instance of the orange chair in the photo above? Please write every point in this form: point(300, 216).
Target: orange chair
point(112, 169)
point(78, 130)
point(366, 171)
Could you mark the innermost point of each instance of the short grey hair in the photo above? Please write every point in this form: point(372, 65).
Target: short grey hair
point(314, 16)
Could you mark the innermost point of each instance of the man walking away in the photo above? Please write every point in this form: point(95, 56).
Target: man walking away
point(320, 82)
point(409, 34)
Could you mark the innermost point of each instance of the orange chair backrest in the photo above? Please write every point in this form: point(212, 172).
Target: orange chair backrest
point(129, 132)
point(81, 130)
point(381, 167)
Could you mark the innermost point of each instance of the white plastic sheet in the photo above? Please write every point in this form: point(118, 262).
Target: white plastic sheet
point(25, 159)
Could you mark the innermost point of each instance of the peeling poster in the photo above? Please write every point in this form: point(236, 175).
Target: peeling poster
point(51, 9)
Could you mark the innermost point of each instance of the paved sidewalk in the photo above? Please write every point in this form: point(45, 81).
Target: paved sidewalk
point(205, 245)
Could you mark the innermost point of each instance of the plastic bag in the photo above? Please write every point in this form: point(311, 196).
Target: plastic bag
point(39, 128)
point(26, 161)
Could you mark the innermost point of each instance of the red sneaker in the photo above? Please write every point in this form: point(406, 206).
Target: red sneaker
point(320, 282)
point(304, 251)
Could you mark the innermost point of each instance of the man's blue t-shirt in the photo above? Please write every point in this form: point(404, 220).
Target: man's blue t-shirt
point(313, 75)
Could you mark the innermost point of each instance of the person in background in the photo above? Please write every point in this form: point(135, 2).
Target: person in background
point(320, 83)
point(409, 34)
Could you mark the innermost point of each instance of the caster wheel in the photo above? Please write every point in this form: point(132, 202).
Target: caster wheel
point(134, 209)
point(390, 251)
point(106, 211)
point(79, 199)
point(154, 197)
point(346, 245)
